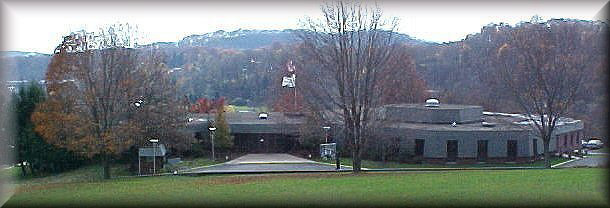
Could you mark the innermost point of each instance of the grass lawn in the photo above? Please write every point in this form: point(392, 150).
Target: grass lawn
point(192, 163)
point(90, 173)
point(93, 173)
point(378, 164)
point(565, 187)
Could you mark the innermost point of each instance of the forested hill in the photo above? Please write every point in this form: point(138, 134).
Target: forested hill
point(24, 65)
point(32, 66)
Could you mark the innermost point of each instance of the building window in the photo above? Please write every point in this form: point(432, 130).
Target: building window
point(419, 147)
point(482, 150)
point(535, 147)
point(557, 142)
point(452, 150)
point(565, 140)
point(511, 150)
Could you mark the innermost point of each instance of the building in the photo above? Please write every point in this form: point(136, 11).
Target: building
point(146, 155)
point(465, 133)
point(15, 85)
point(275, 133)
point(431, 132)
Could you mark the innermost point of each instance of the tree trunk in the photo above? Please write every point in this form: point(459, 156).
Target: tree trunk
point(106, 165)
point(356, 158)
point(547, 154)
point(383, 153)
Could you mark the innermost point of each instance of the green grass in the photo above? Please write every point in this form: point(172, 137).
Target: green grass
point(10, 172)
point(565, 187)
point(192, 163)
point(378, 164)
point(84, 174)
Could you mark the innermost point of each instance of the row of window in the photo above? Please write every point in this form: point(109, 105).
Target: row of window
point(566, 141)
point(482, 149)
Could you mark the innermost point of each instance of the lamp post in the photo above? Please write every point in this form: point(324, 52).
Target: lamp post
point(212, 129)
point(326, 129)
point(139, 104)
point(154, 141)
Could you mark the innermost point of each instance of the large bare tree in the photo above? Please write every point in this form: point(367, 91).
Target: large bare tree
point(545, 68)
point(348, 47)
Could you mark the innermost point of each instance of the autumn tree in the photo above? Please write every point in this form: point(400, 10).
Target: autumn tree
point(222, 136)
point(350, 44)
point(545, 68)
point(41, 157)
point(105, 95)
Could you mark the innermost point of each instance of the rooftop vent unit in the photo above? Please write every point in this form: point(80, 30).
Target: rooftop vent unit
point(487, 124)
point(262, 116)
point(432, 102)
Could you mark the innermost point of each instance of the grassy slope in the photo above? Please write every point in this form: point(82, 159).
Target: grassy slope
point(191, 163)
point(85, 174)
point(377, 164)
point(583, 187)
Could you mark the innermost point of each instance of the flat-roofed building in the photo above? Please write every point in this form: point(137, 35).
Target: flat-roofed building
point(432, 132)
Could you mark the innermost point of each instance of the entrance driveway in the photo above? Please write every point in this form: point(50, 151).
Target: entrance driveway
point(267, 163)
point(268, 158)
point(589, 161)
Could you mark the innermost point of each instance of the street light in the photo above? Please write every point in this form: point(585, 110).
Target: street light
point(326, 128)
point(212, 129)
point(154, 141)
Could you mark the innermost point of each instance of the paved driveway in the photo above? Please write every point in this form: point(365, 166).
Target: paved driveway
point(590, 161)
point(252, 163)
point(268, 158)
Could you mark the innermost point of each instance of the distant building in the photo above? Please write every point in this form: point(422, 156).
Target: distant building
point(148, 154)
point(14, 86)
point(432, 132)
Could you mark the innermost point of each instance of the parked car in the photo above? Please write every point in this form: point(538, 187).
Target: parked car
point(593, 144)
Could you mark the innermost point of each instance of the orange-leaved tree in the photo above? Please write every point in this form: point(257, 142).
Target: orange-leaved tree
point(105, 94)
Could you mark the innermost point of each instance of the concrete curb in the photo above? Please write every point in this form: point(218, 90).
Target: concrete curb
point(562, 163)
point(331, 164)
point(350, 170)
point(206, 166)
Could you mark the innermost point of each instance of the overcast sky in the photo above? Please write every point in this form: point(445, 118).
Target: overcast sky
point(38, 26)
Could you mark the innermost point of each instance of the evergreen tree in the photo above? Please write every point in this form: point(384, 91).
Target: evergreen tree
point(41, 157)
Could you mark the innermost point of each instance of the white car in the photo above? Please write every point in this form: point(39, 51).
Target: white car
point(593, 144)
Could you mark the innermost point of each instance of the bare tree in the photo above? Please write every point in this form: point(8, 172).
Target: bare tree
point(545, 67)
point(349, 47)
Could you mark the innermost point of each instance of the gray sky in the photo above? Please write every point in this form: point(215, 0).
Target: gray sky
point(38, 26)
